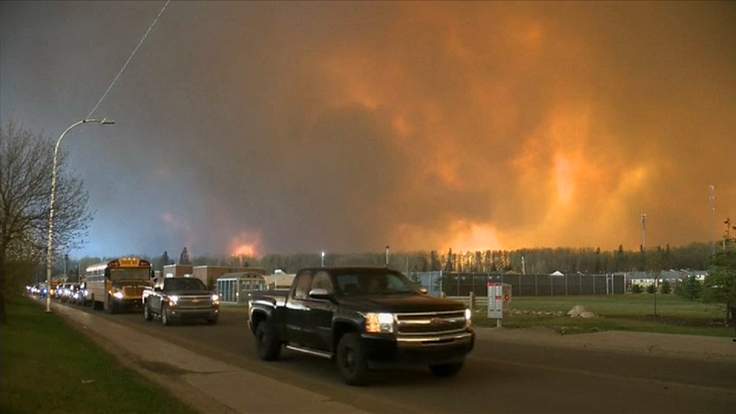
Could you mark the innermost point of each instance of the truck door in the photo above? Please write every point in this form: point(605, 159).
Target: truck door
point(297, 308)
point(319, 318)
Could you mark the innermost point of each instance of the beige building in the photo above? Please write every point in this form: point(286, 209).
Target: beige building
point(279, 281)
point(177, 270)
point(209, 274)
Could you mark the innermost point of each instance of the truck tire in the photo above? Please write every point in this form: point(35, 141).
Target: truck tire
point(165, 317)
point(146, 312)
point(268, 344)
point(351, 360)
point(446, 370)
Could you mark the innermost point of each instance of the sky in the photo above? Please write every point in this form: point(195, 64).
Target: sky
point(253, 127)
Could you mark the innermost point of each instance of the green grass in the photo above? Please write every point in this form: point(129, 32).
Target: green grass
point(619, 312)
point(49, 367)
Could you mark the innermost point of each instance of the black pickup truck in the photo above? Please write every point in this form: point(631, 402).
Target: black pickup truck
point(363, 318)
point(180, 298)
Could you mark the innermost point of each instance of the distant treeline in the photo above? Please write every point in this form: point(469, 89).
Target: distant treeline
point(539, 261)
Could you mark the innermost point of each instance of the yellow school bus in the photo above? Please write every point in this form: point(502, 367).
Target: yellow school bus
point(118, 284)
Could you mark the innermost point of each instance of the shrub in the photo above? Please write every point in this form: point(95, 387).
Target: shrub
point(665, 288)
point(651, 289)
point(689, 288)
point(636, 289)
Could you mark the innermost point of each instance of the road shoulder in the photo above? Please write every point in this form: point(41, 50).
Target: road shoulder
point(207, 384)
point(693, 347)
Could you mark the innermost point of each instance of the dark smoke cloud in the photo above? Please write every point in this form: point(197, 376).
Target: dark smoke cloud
point(346, 126)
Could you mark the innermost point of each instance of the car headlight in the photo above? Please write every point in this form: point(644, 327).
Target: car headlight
point(468, 317)
point(215, 298)
point(173, 299)
point(118, 295)
point(379, 322)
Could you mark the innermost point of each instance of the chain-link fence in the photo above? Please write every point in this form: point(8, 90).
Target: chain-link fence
point(462, 284)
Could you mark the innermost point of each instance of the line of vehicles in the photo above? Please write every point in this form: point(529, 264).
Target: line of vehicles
point(363, 318)
point(126, 284)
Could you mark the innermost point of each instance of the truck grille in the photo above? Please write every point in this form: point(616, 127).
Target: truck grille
point(430, 322)
point(194, 302)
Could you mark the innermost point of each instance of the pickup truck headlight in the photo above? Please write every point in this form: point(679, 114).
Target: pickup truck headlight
point(215, 298)
point(379, 322)
point(468, 317)
point(173, 299)
point(118, 295)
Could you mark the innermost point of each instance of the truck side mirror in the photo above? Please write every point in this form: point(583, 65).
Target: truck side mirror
point(320, 293)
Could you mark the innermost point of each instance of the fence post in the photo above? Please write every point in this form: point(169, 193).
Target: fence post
point(536, 292)
point(594, 282)
point(566, 276)
point(580, 284)
point(471, 300)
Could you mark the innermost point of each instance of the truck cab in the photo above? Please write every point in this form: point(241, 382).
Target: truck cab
point(364, 319)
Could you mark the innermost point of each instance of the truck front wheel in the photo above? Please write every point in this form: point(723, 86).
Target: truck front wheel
point(446, 370)
point(267, 342)
point(351, 360)
point(165, 317)
point(146, 312)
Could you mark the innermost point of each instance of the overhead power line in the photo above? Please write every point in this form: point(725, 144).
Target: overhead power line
point(130, 58)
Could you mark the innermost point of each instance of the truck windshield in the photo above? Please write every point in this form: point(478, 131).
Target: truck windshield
point(372, 283)
point(184, 283)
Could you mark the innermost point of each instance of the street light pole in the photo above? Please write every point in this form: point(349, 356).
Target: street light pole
point(49, 246)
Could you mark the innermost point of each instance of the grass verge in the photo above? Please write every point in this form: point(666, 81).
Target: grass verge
point(620, 312)
point(49, 367)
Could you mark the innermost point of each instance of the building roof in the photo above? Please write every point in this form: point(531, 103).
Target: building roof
point(239, 275)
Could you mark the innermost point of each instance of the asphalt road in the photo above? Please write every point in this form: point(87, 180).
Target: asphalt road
point(498, 377)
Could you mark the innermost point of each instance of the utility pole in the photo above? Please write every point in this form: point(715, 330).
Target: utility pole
point(727, 235)
point(712, 205)
point(388, 252)
point(643, 249)
point(323, 259)
point(523, 265)
point(643, 231)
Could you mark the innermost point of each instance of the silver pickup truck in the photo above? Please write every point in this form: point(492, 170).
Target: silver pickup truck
point(180, 298)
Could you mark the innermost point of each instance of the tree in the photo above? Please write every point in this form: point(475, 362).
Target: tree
point(689, 288)
point(720, 284)
point(26, 162)
point(184, 257)
point(666, 287)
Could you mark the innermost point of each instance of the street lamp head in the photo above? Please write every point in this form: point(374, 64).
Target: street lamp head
point(103, 121)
